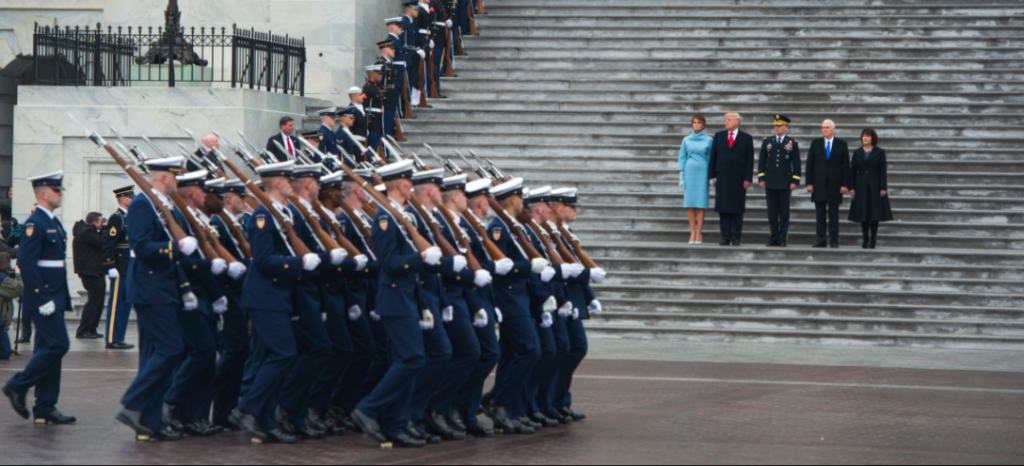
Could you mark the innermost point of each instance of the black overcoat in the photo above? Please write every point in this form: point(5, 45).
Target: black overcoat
point(868, 178)
point(828, 176)
point(730, 167)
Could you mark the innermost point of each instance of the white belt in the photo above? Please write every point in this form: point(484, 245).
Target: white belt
point(440, 24)
point(424, 31)
point(375, 110)
point(398, 63)
point(360, 138)
point(51, 264)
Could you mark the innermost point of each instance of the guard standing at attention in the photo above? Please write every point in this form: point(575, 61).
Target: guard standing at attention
point(328, 143)
point(374, 108)
point(394, 26)
point(779, 174)
point(391, 92)
point(116, 252)
point(46, 299)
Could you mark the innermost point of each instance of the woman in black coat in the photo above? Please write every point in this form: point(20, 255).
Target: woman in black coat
point(869, 186)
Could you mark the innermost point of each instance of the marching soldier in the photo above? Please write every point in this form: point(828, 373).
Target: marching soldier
point(374, 108)
point(46, 299)
point(779, 174)
point(328, 142)
point(115, 258)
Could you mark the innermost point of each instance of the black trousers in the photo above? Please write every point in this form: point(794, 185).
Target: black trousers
point(829, 229)
point(778, 213)
point(731, 226)
point(96, 286)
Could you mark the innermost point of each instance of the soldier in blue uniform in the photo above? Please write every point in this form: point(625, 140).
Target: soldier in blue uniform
point(412, 51)
point(347, 118)
point(392, 94)
point(45, 300)
point(116, 251)
point(358, 129)
point(398, 61)
point(267, 296)
point(233, 335)
point(779, 175)
point(373, 89)
point(328, 142)
point(467, 400)
point(385, 413)
point(158, 289)
point(520, 348)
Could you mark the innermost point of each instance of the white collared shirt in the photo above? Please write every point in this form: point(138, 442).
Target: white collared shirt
point(50, 214)
point(733, 134)
point(360, 108)
point(122, 209)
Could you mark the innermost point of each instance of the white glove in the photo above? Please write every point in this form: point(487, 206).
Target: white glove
point(546, 321)
point(574, 270)
point(338, 255)
point(428, 320)
point(112, 273)
point(433, 255)
point(354, 313)
point(449, 23)
point(220, 306)
point(432, 43)
point(310, 262)
point(595, 307)
point(504, 266)
point(547, 274)
point(480, 319)
point(597, 275)
point(459, 263)
point(483, 278)
point(47, 310)
point(550, 305)
point(448, 314)
point(498, 316)
point(188, 245)
point(537, 265)
point(190, 301)
point(219, 266)
point(361, 261)
point(422, 54)
point(575, 313)
point(236, 270)
point(375, 316)
point(566, 310)
point(323, 317)
point(220, 324)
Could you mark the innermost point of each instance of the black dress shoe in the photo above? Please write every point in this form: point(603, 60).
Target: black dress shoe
point(543, 420)
point(834, 245)
point(56, 418)
point(405, 441)
point(455, 420)
point(279, 436)
point(24, 340)
point(529, 423)
point(248, 423)
point(820, 245)
point(782, 244)
point(133, 419)
point(487, 405)
point(436, 424)
point(874, 241)
point(502, 421)
point(120, 346)
point(169, 416)
point(572, 414)
point(88, 336)
point(368, 425)
point(283, 420)
point(519, 428)
point(315, 420)
point(772, 244)
point(735, 242)
point(198, 429)
point(725, 243)
point(311, 433)
point(561, 418)
point(167, 435)
point(227, 427)
point(478, 431)
point(342, 419)
point(17, 402)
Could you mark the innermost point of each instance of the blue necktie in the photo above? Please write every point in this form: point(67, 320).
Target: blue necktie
point(828, 150)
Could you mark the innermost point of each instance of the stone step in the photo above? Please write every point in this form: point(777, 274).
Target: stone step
point(782, 64)
point(782, 296)
point(738, 96)
point(612, 29)
point(765, 3)
point(728, 41)
point(714, 74)
point(581, 84)
point(810, 337)
point(571, 8)
point(729, 277)
point(503, 136)
point(829, 53)
point(801, 209)
point(625, 115)
point(593, 201)
point(803, 236)
point(966, 276)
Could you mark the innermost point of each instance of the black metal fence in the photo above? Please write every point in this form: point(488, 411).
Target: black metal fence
point(138, 57)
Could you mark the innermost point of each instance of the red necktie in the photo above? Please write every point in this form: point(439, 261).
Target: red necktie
point(291, 151)
point(731, 139)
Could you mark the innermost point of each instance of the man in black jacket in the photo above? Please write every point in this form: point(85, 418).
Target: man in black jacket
point(731, 170)
point(87, 248)
point(828, 179)
point(286, 138)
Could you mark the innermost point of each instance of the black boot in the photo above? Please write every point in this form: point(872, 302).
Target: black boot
point(169, 416)
point(278, 436)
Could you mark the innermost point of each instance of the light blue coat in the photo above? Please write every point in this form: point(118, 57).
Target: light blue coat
point(693, 170)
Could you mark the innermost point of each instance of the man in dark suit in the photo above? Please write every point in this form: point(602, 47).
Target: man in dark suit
point(828, 179)
point(731, 170)
point(287, 139)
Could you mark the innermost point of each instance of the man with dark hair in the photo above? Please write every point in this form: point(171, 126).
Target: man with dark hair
point(87, 248)
point(287, 139)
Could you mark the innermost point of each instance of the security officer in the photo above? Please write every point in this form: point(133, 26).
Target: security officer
point(115, 259)
point(158, 289)
point(267, 295)
point(374, 108)
point(328, 143)
point(398, 62)
point(46, 299)
point(779, 174)
point(384, 414)
point(392, 97)
point(520, 347)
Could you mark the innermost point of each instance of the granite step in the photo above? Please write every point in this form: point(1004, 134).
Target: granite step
point(668, 21)
point(831, 53)
point(612, 30)
point(597, 202)
point(581, 83)
point(714, 74)
point(707, 10)
point(865, 64)
point(734, 4)
point(801, 209)
point(474, 44)
point(738, 96)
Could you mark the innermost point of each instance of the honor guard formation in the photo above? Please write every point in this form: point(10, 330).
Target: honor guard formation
point(349, 289)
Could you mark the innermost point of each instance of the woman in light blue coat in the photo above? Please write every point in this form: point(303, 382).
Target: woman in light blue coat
point(693, 177)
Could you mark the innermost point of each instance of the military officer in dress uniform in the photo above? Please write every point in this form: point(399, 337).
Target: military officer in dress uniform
point(328, 143)
point(425, 42)
point(374, 108)
point(115, 259)
point(779, 175)
point(438, 40)
point(392, 97)
point(158, 289)
point(398, 62)
point(384, 414)
point(413, 54)
point(46, 299)
point(358, 128)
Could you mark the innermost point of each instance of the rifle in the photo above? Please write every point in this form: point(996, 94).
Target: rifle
point(449, 71)
point(175, 230)
point(434, 94)
point(459, 49)
point(473, 31)
point(420, 242)
point(398, 129)
point(297, 245)
point(17, 330)
point(405, 96)
point(527, 220)
point(423, 78)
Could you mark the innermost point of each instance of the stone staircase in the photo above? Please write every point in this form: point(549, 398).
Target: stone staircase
point(599, 93)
